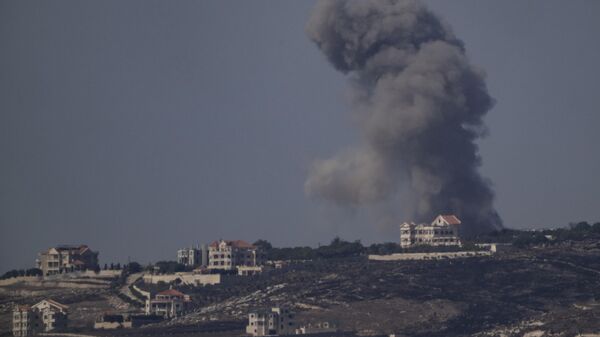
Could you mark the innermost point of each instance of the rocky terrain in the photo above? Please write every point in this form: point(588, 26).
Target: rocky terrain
point(534, 291)
point(554, 289)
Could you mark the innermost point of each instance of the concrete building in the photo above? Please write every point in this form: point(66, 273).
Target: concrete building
point(249, 271)
point(169, 303)
point(66, 258)
point(316, 328)
point(443, 231)
point(228, 255)
point(193, 257)
point(24, 323)
point(45, 316)
point(276, 321)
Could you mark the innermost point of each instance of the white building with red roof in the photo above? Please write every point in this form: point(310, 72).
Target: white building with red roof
point(169, 303)
point(229, 255)
point(443, 231)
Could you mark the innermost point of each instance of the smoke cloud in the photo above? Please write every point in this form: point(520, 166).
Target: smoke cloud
point(420, 105)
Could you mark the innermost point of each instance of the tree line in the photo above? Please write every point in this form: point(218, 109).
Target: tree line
point(575, 231)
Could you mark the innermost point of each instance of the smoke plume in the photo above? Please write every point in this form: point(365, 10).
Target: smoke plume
point(420, 105)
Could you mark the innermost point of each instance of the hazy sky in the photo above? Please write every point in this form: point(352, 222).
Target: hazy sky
point(141, 127)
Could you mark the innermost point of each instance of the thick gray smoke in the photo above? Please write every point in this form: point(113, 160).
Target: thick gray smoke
point(420, 104)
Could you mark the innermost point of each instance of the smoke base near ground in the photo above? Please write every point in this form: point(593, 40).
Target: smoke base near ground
point(420, 104)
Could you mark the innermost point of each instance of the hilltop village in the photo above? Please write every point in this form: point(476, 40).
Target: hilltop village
point(237, 288)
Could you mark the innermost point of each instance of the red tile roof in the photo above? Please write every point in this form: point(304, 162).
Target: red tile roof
point(451, 219)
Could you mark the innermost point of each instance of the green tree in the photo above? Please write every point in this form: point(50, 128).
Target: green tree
point(133, 267)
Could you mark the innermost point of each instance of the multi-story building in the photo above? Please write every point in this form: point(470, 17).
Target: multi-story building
point(228, 255)
point(443, 231)
point(24, 323)
point(45, 316)
point(66, 258)
point(169, 303)
point(193, 257)
point(277, 321)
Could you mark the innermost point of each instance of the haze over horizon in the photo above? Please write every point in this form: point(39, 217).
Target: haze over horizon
point(140, 128)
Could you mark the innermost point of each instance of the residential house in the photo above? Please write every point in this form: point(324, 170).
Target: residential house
point(169, 303)
point(276, 321)
point(228, 255)
point(66, 258)
point(44, 316)
point(443, 231)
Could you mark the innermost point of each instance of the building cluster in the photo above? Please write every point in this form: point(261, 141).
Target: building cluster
point(44, 316)
point(443, 231)
point(224, 255)
point(66, 258)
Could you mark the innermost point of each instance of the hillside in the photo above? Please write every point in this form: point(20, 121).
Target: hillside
point(554, 289)
point(553, 285)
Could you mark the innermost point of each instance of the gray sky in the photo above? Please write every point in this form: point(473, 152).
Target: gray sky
point(138, 128)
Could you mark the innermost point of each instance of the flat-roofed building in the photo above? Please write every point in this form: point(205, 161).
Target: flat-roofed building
point(276, 321)
point(193, 257)
point(316, 328)
point(23, 321)
point(443, 231)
